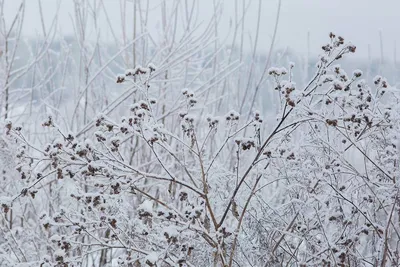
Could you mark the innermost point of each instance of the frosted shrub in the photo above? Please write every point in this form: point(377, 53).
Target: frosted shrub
point(317, 188)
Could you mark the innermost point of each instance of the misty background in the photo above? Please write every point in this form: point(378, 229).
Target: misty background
point(302, 28)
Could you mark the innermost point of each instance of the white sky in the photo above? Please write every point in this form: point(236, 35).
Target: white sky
point(357, 20)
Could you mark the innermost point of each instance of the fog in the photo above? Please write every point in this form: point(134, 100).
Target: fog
point(361, 21)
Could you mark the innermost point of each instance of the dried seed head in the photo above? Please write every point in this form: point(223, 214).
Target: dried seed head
point(357, 73)
point(352, 48)
point(120, 78)
point(151, 67)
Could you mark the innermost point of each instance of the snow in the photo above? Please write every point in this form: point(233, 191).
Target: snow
point(59, 253)
point(55, 238)
point(171, 231)
point(152, 257)
point(146, 206)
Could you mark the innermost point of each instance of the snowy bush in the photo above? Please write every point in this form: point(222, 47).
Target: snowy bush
point(317, 186)
point(179, 148)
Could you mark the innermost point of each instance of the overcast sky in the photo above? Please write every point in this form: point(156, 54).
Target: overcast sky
point(357, 20)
